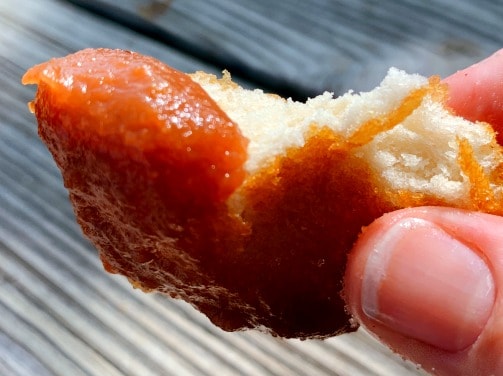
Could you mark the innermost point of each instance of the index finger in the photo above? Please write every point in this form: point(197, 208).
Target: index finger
point(476, 93)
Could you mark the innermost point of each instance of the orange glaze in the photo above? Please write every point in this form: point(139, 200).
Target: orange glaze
point(113, 97)
point(149, 160)
point(307, 211)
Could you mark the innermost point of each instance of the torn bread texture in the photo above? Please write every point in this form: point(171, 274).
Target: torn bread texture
point(270, 253)
point(421, 154)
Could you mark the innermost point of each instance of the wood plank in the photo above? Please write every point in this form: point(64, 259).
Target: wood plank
point(307, 47)
point(61, 313)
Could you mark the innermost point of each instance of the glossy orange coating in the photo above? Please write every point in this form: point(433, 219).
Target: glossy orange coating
point(113, 97)
point(149, 160)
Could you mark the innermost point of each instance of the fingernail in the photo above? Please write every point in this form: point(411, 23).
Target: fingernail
point(424, 284)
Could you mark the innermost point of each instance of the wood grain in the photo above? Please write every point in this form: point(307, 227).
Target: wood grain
point(306, 47)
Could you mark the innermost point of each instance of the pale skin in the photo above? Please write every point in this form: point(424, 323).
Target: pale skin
point(428, 282)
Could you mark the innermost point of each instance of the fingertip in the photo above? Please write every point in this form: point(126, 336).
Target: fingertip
point(357, 259)
point(476, 93)
point(424, 281)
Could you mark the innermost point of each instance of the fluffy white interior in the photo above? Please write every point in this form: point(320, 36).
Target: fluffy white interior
point(421, 154)
point(273, 124)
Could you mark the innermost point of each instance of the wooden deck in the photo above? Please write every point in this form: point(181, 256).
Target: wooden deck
point(60, 313)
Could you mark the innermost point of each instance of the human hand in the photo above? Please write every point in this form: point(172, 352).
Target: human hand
point(429, 281)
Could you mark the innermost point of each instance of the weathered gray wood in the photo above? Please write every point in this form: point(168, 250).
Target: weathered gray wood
point(316, 45)
point(61, 314)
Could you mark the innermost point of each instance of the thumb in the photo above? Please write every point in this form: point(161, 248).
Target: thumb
point(428, 282)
